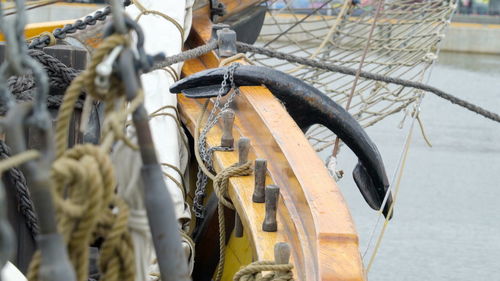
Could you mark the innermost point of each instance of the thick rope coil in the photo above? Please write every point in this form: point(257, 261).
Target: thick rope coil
point(220, 188)
point(60, 76)
point(253, 272)
point(88, 209)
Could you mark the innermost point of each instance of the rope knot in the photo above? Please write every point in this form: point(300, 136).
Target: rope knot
point(222, 179)
point(253, 272)
point(88, 209)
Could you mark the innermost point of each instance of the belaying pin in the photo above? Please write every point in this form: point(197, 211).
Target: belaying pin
point(243, 149)
point(281, 256)
point(272, 195)
point(259, 194)
point(227, 139)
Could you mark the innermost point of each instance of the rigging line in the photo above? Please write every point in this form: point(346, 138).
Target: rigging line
point(243, 47)
point(297, 23)
point(340, 17)
point(396, 192)
point(360, 67)
point(400, 166)
point(416, 116)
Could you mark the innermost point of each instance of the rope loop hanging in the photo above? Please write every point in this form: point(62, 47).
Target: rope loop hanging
point(221, 182)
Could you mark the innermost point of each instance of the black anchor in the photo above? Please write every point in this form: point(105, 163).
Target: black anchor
point(307, 106)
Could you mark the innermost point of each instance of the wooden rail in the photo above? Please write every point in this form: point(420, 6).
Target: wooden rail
point(312, 214)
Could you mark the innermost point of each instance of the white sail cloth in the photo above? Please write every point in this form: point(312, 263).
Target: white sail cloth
point(161, 35)
point(10, 273)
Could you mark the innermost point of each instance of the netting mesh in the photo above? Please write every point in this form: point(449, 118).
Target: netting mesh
point(404, 44)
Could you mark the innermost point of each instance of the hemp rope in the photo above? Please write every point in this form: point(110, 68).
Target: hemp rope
point(253, 272)
point(85, 182)
point(220, 183)
point(86, 204)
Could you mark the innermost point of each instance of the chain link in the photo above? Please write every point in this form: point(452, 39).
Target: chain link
point(206, 153)
point(60, 33)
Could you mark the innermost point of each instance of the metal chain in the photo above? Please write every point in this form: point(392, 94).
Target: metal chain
point(206, 152)
point(60, 33)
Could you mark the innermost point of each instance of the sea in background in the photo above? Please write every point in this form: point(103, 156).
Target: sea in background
point(446, 223)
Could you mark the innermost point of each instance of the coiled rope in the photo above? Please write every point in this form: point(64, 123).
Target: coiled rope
point(87, 209)
point(87, 206)
point(60, 77)
point(253, 272)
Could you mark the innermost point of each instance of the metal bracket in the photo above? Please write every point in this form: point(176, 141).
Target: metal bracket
point(226, 39)
point(217, 10)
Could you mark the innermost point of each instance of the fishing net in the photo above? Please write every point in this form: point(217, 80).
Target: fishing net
point(404, 43)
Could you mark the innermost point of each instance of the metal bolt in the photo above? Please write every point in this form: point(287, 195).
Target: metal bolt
point(272, 195)
point(227, 139)
point(243, 149)
point(259, 194)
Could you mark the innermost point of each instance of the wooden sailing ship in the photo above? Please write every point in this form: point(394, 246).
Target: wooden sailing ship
point(310, 213)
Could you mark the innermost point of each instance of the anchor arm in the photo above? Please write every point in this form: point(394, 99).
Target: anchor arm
point(307, 106)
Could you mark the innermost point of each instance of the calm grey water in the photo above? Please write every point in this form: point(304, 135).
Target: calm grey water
point(446, 224)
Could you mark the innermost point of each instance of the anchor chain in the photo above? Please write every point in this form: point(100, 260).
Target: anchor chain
point(204, 151)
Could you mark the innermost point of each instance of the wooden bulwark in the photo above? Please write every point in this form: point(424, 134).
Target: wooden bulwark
point(312, 214)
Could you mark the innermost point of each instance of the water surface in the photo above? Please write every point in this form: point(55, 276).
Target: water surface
point(447, 219)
